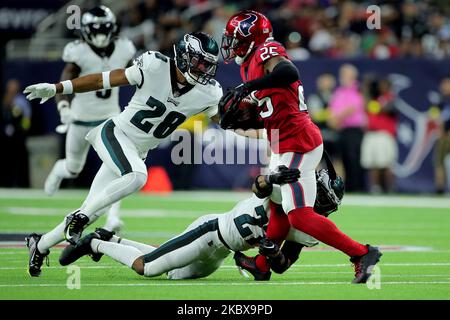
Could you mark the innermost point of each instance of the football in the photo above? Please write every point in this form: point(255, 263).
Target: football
point(247, 117)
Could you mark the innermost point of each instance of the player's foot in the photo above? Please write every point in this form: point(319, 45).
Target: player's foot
point(364, 264)
point(36, 258)
point(73, 252)
point(52, 183)
point(75, 224)
point(249, 264)
point(105, 235)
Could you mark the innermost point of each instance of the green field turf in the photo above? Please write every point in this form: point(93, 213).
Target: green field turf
point(415, 232)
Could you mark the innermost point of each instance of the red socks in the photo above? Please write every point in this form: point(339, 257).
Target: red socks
point(324, 230)
point(279, 225)
point(262, 263)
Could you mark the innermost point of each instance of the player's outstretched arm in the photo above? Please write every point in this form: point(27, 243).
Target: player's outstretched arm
point(90, 82)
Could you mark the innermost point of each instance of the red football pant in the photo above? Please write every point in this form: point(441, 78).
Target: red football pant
point(324, 230)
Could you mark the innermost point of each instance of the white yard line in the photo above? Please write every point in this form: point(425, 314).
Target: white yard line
point(206, 284)
point(443, 264)
point(421, 201)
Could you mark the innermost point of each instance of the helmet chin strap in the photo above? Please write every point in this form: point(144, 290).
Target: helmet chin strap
point(240, 60)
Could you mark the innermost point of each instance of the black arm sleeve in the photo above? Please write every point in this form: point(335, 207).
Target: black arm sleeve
point(282, 75)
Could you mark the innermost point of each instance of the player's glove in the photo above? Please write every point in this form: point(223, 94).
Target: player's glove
point(231, 99)
point(268, 248)
point(65, 113)
point(43, 91)
point(283, 175)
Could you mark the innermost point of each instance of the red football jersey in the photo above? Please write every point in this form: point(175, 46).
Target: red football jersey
point(281, 109)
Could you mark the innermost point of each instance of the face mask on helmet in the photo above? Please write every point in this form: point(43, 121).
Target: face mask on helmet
point(98, 27)
point(231, 48)
point(329, 193)
point(197, 65)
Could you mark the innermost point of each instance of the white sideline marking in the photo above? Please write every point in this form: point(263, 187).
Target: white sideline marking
point(443, 264)
point(243, 283)
point(32, 211)
point(212, 196)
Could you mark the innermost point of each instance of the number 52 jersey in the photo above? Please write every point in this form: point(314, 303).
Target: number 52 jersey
point(159, 104)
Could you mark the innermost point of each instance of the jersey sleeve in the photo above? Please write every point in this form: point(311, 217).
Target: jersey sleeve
point(146, 64)
point(269, 50)
point(71, 52)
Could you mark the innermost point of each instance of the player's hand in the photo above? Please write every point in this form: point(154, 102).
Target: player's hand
point(43, 91)
point(268, 248)
point(65, 112)
point(284, 175)
point(231, 98)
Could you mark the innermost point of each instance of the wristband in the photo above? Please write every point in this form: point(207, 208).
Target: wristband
point(67, 87)
point(105, 78)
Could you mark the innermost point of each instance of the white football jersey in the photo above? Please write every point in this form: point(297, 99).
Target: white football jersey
point(101, 104)
point(244, 225)
point(159, 106)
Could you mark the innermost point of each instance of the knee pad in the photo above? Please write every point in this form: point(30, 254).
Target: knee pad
point(74, 166)
point(136, 180)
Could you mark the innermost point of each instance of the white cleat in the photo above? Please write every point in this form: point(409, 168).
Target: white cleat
point(52, 183)
point(113, 225)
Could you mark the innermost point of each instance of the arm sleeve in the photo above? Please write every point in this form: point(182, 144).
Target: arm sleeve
point(134, 75)
point(282, 75)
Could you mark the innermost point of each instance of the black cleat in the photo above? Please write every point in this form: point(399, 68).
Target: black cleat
point(36, 258)
point(73, 252)
point(268, 248)
point(364, 264)
point(105, 235)
point(249, 264)
point(75, 224)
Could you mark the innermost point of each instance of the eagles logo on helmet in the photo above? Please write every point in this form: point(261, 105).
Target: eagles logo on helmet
point(244, 32)
point(99, 27)
point(197, 57)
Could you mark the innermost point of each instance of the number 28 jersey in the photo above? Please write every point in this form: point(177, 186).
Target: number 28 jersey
point(282, 110)
point(159, 105)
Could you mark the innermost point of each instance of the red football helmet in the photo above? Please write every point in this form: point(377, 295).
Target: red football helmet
point(244, 31)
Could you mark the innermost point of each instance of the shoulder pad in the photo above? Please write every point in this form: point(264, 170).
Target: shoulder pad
point(268, 50)
point(73, 51)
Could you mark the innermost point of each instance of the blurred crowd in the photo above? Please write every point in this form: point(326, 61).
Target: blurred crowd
point(358, 119)
point(323, 28)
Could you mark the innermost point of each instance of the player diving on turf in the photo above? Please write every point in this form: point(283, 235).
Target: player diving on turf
point(201, 249)
point(168, 91)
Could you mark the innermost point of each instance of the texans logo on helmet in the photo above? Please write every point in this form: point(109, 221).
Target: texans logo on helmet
point(245, 25)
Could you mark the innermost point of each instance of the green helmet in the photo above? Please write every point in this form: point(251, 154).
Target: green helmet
point(197, 56)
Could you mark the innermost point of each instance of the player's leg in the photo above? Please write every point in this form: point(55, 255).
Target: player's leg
point(298, 202)
point(120, 155)
point(198, 242)
point(68, 168)
point(201, 268)
point(113, 221)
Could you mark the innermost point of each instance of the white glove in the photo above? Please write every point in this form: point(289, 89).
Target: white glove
point(44, 91)
point(65, 112)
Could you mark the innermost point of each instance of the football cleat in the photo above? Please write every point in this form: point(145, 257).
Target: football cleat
point(36, 258)
point(249, 264)
point(75, 224)
point(73, 252)
point(52, 183)
point(105, 235)
point(364, 264)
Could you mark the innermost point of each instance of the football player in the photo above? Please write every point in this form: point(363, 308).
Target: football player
point(168, 91)
point(202, 247)
point(99, 50)
point(272, 80)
